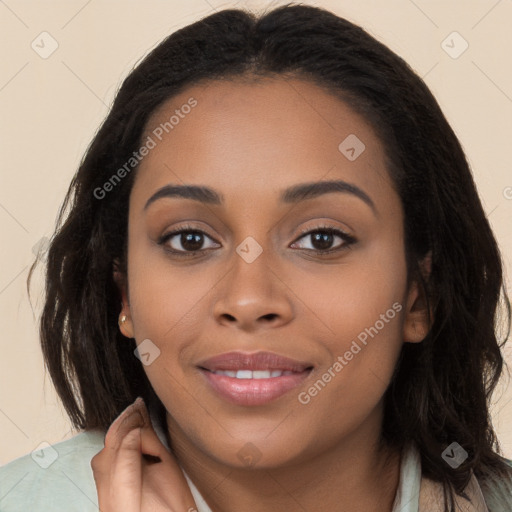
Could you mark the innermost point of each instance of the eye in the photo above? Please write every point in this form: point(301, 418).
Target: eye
point(323, 237)
point(189, 241)
point(186, 241)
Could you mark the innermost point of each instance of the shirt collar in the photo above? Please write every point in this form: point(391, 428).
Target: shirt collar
point(407, 493)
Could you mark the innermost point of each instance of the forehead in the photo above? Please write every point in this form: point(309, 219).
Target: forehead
point(244, 137)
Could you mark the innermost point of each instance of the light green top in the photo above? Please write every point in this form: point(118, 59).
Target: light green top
point(59, 478)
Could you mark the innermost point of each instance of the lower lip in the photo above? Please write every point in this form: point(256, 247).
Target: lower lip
point(253, 391)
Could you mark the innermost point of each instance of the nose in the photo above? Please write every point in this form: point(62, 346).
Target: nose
point(253, 296)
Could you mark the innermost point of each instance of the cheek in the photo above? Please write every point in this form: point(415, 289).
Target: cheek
point(361, 307)
point(165, 298)
point(169, 307)
point(349, 299)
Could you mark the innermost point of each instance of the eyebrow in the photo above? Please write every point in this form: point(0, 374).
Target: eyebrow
point(294, 194)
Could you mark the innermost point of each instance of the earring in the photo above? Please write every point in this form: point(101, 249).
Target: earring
point(122, 320)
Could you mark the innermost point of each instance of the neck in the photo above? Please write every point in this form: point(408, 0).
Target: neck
point(357, 474)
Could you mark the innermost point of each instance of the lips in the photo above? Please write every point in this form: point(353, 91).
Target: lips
point(263, 361)
point(253, 379)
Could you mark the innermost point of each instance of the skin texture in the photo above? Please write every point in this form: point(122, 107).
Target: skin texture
point(249, 141)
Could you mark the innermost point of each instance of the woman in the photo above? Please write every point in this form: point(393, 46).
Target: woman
point(275, 241)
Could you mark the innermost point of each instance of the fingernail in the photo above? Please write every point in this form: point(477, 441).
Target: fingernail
point(140, 406)
point(133, 416)
point(134, 419)
point(139, 401)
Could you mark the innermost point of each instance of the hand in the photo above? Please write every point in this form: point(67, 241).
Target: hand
point(135, 472)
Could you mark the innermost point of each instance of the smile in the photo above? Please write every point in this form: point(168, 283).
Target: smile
point(253, 379)
point(255, 374)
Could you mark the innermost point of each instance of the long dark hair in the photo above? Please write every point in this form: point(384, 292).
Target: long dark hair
point(441, 388)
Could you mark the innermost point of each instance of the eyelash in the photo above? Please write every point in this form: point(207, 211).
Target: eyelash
point(348, 239)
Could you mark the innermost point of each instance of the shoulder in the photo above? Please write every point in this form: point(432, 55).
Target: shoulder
point(56, 477)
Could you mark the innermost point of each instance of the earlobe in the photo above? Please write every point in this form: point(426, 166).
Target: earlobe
point(125, 322)
point(125, 325)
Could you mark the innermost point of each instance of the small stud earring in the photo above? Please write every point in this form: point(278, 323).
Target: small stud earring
point(123, 319)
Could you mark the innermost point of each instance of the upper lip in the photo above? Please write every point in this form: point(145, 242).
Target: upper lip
point(254, 361)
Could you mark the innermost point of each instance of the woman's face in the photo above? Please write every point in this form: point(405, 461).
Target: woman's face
point(251, 272)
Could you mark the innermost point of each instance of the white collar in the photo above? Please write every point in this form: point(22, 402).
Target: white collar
point(408, 491)
point(202, 506)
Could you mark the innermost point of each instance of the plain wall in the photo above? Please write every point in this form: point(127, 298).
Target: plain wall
point(51, 107)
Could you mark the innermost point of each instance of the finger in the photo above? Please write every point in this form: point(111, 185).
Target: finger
point(110, 472)
point(155, 487)
point(101, 479)
point(130, 418)
point(152, 448)
point(133, 417)
point(125, 479)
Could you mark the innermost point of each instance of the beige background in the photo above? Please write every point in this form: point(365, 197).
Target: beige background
point(50, 109)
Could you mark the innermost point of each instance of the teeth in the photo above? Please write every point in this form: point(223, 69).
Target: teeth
point(261, 374)
point(256, 374)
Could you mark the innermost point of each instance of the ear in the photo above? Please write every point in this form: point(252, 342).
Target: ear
point(416, 325)
point(121, 281)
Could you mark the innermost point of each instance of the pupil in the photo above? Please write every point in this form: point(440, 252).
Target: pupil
point(322, 240)
point(192, 241)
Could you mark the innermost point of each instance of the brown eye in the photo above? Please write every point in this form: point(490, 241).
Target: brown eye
point(191, 241)
point(322, 239)
point(186, 240)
